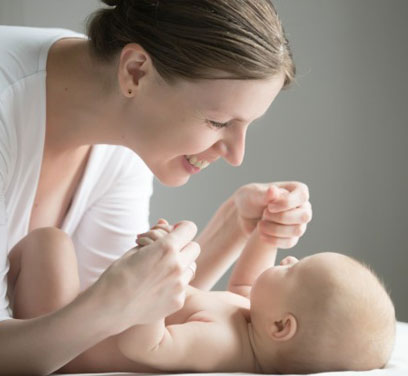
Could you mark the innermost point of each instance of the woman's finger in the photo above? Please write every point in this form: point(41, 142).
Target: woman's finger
point(189, 254)
point(297, 196)
point(302, 214)
point(281, 231)
point(189, 273)
point(180, 236)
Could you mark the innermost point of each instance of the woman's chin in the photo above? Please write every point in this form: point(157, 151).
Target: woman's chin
point(172, 180)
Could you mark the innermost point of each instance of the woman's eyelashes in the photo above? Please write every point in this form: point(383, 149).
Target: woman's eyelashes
point(216, 124)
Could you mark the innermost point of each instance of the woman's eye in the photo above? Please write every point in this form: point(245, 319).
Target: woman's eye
point(216, 124)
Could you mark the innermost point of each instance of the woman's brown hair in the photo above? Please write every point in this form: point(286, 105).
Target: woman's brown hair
point(196, 39)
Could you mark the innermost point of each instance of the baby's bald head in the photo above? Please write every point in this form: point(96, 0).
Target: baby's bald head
point(346, 319)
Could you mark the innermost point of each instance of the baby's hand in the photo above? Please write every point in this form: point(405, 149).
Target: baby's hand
point(156, 232)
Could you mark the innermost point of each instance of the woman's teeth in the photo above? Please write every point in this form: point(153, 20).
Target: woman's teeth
point(196, 163)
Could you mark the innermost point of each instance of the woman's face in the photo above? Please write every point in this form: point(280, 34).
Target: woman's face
point(173, 127)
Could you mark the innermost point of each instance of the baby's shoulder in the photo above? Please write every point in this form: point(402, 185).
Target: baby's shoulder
point(217, 306)
point(222, 316)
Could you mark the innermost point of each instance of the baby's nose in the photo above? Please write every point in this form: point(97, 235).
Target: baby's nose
point(289, 260)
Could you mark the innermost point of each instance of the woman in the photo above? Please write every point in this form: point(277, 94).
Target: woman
point(162, 87)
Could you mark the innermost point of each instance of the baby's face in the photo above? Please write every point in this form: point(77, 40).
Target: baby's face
point(342, 296)
point(275, 284)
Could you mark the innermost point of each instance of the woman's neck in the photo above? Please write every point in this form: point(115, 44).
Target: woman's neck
point(81, 100)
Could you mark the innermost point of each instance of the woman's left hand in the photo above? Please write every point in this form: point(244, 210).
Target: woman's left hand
point(281, 210)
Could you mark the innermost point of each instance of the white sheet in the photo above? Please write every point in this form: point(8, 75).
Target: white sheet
point(397, 366)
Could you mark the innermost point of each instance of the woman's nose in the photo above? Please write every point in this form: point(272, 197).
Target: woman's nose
point(235, 147)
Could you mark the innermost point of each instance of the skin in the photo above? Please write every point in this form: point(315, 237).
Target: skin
point(270, 314)
point(90, 103)
point(145, 120)
point(275, 318)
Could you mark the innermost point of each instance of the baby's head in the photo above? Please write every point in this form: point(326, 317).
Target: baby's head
point(326, 312)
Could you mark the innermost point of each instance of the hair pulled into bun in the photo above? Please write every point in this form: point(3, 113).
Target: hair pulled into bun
point(111, 3)
point(196, 39)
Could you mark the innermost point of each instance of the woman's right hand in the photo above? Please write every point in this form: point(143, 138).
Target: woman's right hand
point(147, 284)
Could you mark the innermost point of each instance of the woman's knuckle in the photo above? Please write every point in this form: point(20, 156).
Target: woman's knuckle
point(305, 217)
point(293, 242)
point(281, 216)
point(306, 193)
point(177, 269)
point(298, 231)
point(272, 241)
point(194, 244)
point(283, 245)
point(168, 247)
point(179, 286)
point(178, 302)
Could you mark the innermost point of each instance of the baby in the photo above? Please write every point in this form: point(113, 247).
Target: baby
point(326, 312)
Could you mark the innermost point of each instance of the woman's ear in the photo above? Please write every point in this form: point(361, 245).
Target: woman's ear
point(133, 65)
point(284, 329)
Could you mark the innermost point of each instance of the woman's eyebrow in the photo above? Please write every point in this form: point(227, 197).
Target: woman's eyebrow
point(247, 121)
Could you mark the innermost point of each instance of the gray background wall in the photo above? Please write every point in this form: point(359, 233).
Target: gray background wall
point(342, 129)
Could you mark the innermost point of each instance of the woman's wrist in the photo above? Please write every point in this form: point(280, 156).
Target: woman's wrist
point(231, 219)
point(91, 304)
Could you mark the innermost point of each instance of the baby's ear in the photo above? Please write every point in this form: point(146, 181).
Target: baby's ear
point(284, 329)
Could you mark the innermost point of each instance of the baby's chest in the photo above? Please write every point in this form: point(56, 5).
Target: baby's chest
point(211, 306)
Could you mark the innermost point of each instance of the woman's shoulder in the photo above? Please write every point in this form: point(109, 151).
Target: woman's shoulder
point(23, 51)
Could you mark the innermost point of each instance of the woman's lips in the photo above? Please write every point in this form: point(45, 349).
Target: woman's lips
point(189, 167)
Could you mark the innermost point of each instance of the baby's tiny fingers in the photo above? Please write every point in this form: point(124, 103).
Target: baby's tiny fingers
point(166, 227)
point(153, 234)
point(144, 241)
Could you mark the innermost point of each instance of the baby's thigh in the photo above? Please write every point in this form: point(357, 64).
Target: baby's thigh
point(44, 252)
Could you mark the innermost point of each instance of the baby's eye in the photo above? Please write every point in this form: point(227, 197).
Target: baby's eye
point(216, 124)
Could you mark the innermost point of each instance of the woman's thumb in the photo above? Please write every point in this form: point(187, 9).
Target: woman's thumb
point(272, 193)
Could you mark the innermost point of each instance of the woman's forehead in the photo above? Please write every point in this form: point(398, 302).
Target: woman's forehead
point(243, 100)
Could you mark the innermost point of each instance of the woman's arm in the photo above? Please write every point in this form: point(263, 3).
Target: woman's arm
point(221, 244)
point(284, 208)
point(42, 345)
point(142, 286)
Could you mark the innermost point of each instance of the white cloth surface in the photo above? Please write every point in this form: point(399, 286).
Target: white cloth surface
point(397, 366)
point(111, 204)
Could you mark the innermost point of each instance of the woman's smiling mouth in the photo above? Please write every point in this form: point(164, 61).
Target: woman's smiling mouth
point(193, 165)
point(193, 160)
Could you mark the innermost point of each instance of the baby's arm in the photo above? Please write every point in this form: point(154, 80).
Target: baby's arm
point(256, 257)
point(194, 346)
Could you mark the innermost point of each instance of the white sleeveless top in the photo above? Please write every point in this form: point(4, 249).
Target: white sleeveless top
point(111, 204)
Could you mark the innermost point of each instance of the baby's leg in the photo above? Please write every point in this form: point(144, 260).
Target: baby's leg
point(43, 275)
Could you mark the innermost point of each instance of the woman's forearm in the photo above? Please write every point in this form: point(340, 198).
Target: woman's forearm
point(221, 243)
point(42, 345)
